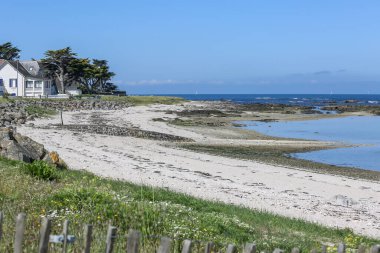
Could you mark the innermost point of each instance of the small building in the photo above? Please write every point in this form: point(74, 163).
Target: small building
point(25, 79)
point(73, 91)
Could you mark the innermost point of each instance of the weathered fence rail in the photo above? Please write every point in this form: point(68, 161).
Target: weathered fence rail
point(133, 239)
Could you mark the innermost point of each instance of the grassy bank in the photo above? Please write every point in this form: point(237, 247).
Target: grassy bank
point(85, 198)
point(40, 111)
point(279, 155)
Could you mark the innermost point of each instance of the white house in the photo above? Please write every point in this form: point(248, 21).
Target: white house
point(24, 78)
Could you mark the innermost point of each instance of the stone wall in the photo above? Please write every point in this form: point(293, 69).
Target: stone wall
point(14, 113)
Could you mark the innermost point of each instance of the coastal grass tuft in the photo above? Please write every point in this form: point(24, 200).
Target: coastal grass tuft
point(83, 198)
point(41, 170)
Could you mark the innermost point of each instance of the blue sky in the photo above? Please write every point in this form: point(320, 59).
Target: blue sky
point(211, 46)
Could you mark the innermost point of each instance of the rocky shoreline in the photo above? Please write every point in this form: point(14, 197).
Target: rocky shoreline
point(15, 113)
point(121, 131)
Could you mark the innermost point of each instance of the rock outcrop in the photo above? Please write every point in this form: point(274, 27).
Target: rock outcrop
point(15, 146)
point(122, 131)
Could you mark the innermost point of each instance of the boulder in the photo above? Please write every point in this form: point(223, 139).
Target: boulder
point(54, 159)
point(35, 149)
point(12, 150)
point(15, 146)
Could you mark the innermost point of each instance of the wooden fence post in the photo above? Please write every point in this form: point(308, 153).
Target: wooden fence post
point(296, 250)
point(1, 225)
point(250, 248)
point(19, 236)
point(186, 247)
point(278, 251)
point(111, 236)
point(164, 245)
point(133, 241)
point(209, 247)
point(361, 249)
point(324, 249)
point(314, 251)
point(87, 237)
point(231, 248)
point(375, 249)
point(65, 232)
point(341, 248)
point(44, 235)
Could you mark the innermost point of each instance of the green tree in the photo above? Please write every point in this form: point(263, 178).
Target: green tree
point(9, 52)
point(93, 76)
point(59, 65)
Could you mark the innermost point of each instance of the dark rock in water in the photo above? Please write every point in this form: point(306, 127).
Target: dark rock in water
point(350, 101)
point(15, 146)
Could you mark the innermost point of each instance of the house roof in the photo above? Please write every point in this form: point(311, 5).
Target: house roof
point(32, 69)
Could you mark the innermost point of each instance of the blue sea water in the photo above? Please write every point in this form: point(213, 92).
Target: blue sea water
point(364, 131)
point(295, 99)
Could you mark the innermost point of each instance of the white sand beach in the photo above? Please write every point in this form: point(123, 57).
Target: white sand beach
point(334, 201)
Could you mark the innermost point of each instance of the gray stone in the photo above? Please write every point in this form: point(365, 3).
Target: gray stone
point(12, 150)
point(343, 200)
point(5, 133)
point(35, 149)
point(21, 121)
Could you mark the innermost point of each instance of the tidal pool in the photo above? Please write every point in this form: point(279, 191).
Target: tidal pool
point(362, 130)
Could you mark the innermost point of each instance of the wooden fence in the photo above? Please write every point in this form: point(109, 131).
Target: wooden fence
point(133, 240)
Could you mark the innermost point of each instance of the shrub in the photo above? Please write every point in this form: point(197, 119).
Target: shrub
point(41, 170)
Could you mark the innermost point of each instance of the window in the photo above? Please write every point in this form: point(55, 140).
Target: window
point(29, 84)
point(38, 84)
point(12, 82)
point(47, 84)
point(1, 82)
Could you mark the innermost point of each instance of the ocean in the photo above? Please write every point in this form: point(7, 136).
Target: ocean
point(361, 131)
point(300, 99)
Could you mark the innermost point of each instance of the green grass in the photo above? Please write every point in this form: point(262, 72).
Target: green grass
point(40, 111)
point(85, 198)
point(144, 100)
point(4, 100)
point(279, 155)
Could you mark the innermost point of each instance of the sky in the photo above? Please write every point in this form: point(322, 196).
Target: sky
point(210, 46)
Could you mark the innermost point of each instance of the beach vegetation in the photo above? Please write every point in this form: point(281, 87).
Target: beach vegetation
point(83, 198)
point(40, 111)
point(41, 170)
